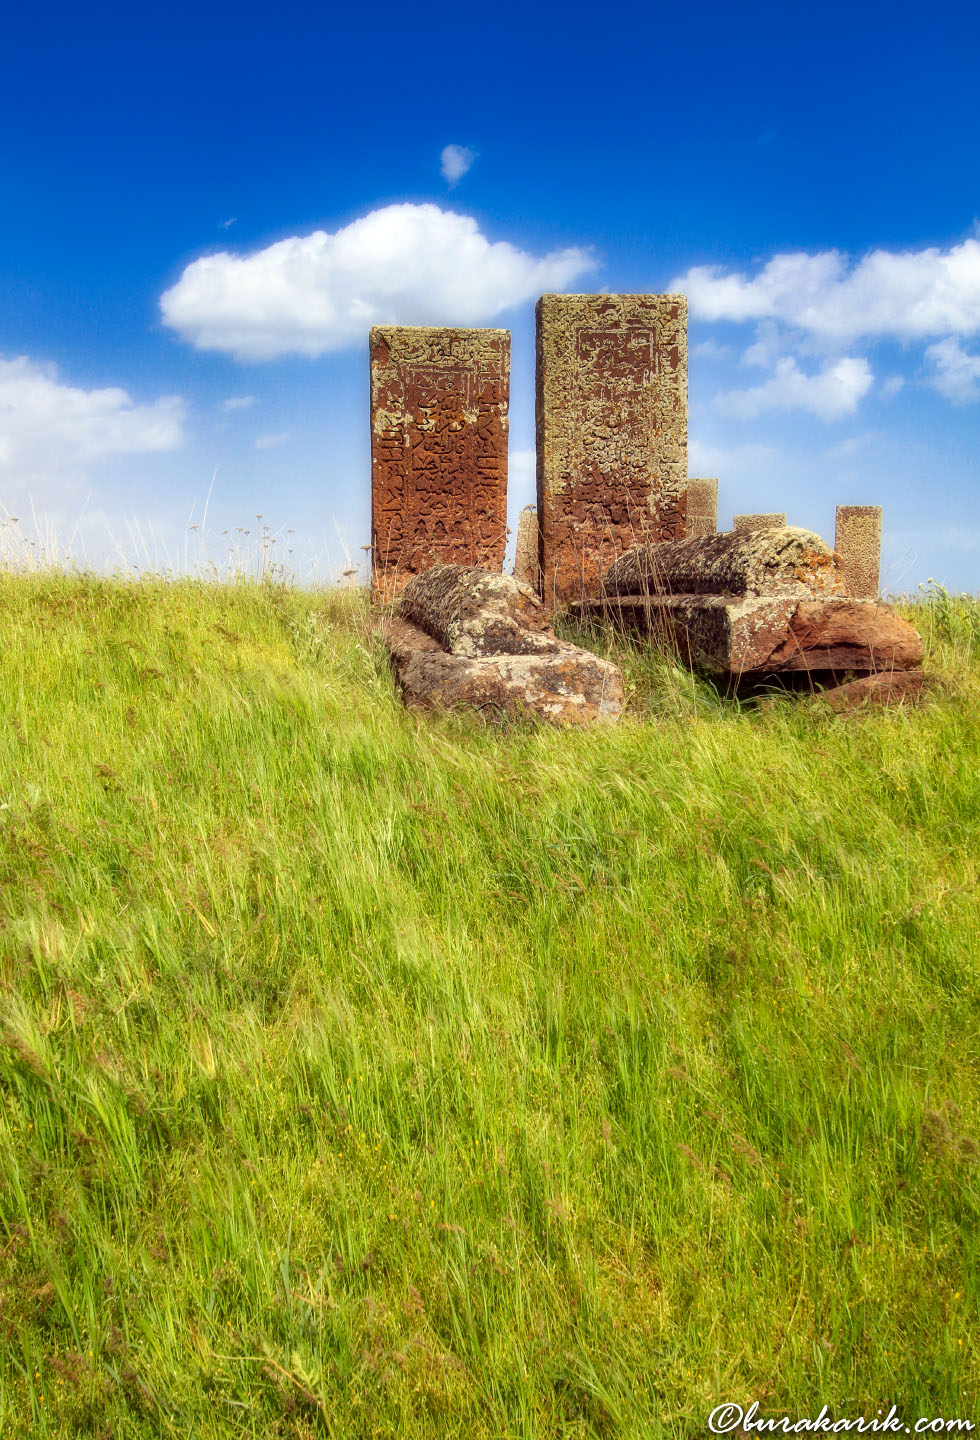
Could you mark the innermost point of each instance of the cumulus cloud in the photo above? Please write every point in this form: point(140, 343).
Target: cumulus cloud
point(403, 264)
point(48, 427)
point(456, 160)
point(835, 391)
point(909, 294)
point(956, 373)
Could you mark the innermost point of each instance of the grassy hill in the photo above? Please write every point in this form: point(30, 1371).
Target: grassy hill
point(364, 1074)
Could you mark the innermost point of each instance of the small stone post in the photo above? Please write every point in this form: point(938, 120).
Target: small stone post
point(702, 508)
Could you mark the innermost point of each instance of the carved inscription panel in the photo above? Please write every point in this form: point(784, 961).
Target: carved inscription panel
point(612, 431)
point(439, 400)
point(858, 543)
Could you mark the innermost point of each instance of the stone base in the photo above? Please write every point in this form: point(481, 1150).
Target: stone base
point(890, 687)
point(567, 686)
point(766, 635)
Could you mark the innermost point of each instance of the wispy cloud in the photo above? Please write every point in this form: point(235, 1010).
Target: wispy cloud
point(403, 264)
point(710, 350)
point(955, 371)
point(455, 161)
point(270, 440)
point(238, 402)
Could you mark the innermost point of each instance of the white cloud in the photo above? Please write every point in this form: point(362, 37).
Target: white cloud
point(456, 160)
point(403, 264)
point(891, 386)
point(238, 402)
point(956, 372)
point(269, 441)
point(904, 294)
point(833, 392)
point(48, 427)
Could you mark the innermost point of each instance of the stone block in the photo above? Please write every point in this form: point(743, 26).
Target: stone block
point(857, 541)
point(755, 635)
point(702, 508)
point(611, 432)
point(757, 522)
point(439, 401)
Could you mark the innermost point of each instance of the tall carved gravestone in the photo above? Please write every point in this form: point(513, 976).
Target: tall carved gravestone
point(438, 450)
point(858, 543)
point(611, 431)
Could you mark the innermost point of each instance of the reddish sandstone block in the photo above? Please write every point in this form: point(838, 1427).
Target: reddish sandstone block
point(612, 432)
point(439, 399)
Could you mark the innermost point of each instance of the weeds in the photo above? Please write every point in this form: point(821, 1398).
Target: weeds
point(368, 1075)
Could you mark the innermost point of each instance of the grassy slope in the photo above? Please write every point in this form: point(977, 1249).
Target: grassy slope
point(368, 1075)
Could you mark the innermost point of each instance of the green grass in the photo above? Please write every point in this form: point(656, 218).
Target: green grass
point(365, 1074)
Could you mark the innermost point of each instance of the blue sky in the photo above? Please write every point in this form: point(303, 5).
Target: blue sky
point(205, 207)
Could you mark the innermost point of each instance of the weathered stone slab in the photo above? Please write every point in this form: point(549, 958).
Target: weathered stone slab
point(473, 612)
point(702, 508)
point(611, 431)
point(757, 522)
point(857, 541)
point(569, 686)
point(527, 563)
point(784, 560)
point(768, 635)
point(439, 401)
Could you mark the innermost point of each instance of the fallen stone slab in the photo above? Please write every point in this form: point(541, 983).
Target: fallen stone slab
point(778, 560)
point(744, 635)
point(566, 685)
point(475, 612)
point(896, 687)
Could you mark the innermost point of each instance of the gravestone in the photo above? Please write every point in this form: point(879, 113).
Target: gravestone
point(611, 432)
point(857, 540)
point(526, 563)
point(757, 522)
point(439, 401)
point(702, 508)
